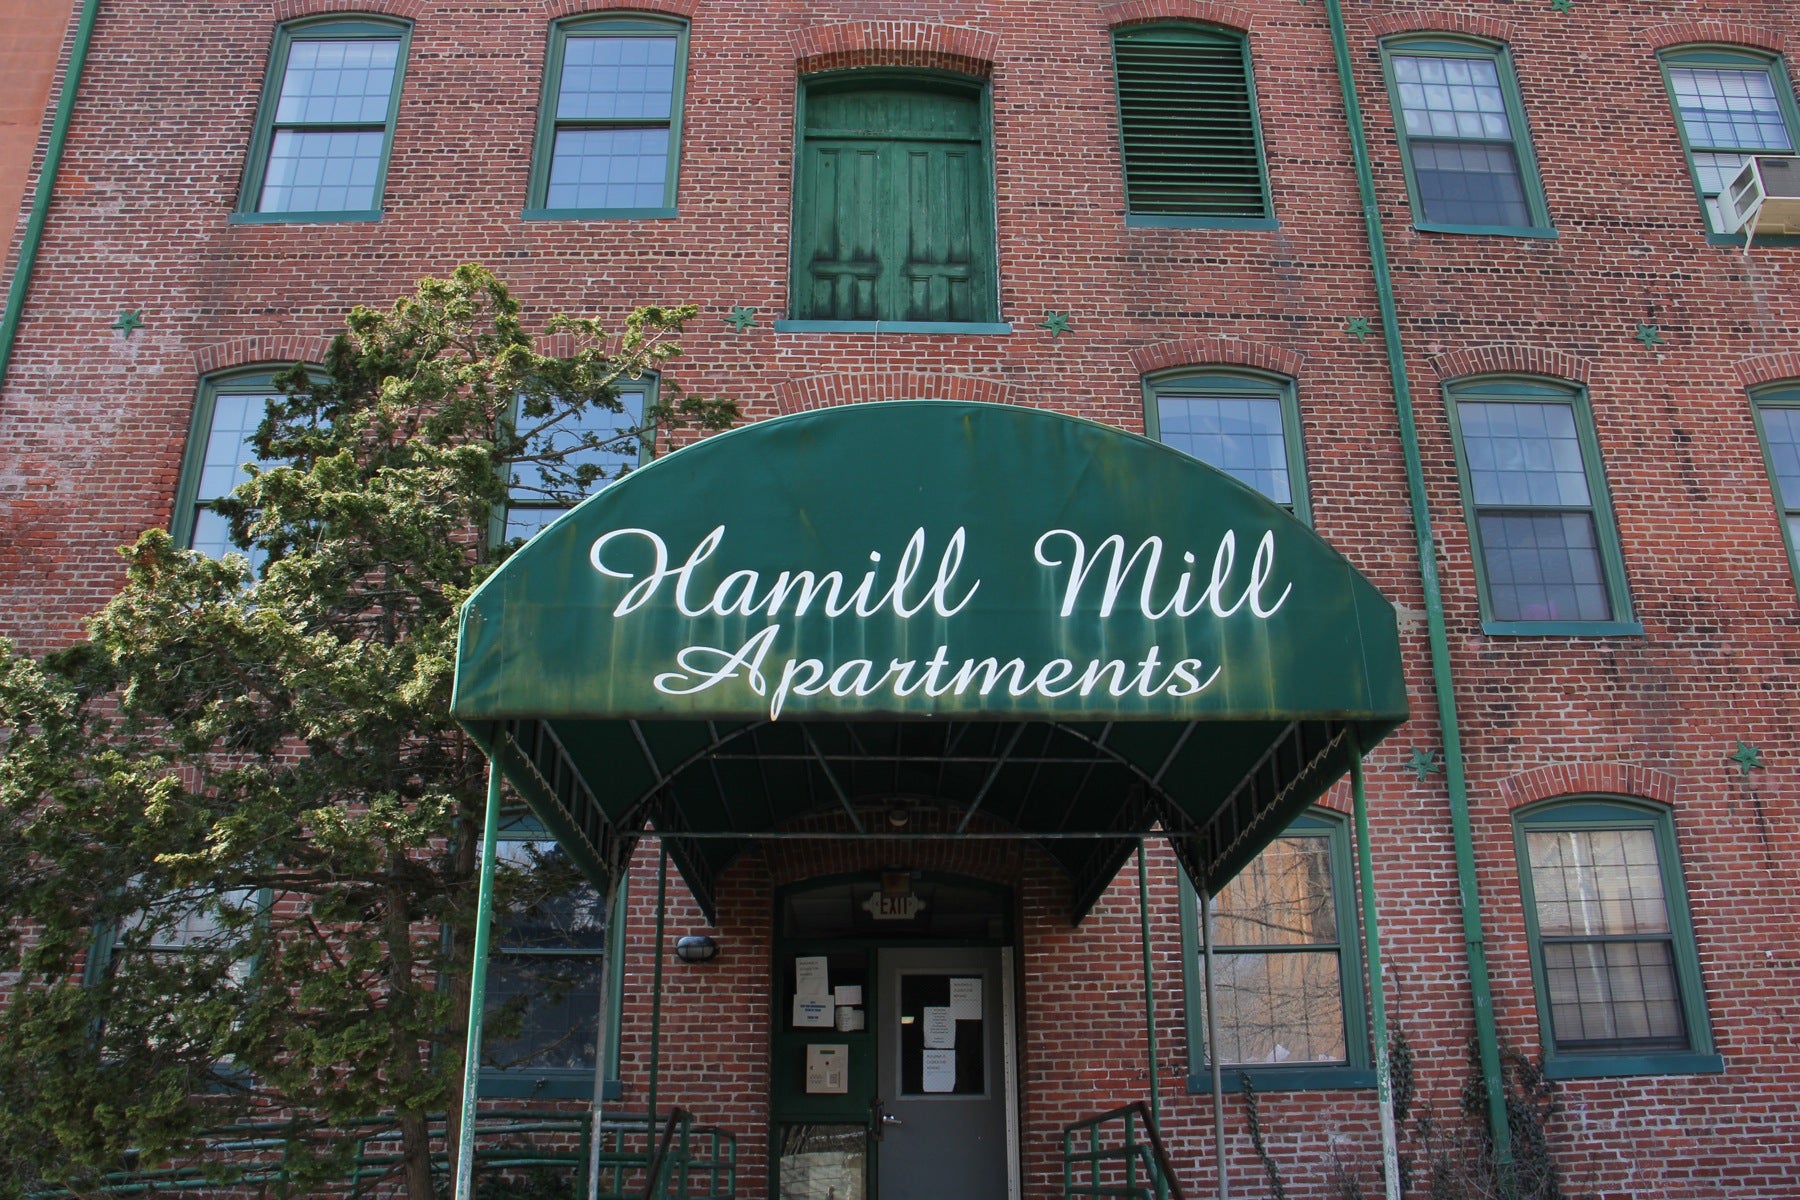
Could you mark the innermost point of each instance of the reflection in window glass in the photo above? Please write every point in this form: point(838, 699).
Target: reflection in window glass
point(1465, 163)
point(1240, 435)
point(614, 122)
point(534, 499)
point(1781, 429)
point(1279, 982)
point(330, 126)
point(547, 965)
point(1727, 115)
point(235, 417)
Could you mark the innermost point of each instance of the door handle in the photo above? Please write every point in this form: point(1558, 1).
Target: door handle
point(880, 1119)
point(891, 1119)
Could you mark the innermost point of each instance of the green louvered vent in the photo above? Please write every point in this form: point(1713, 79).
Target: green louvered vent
point(1188, 120)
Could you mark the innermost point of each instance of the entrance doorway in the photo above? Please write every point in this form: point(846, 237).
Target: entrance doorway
point(941, 1071)
point(893, 1071)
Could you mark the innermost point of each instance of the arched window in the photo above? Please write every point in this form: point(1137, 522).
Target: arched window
point(1547, 555)
point(1188, 128)
point(609, 125)
point(599, 441)
point(1467, 153)
point(227, 411)
point(1612, 948)
point(1729, 103)
point(1777, 410)
point(326, 122)
point(893, 205)
point(1245, 423)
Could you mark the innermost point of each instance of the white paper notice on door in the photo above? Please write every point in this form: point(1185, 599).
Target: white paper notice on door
point(812, 976)
point(940, 1028)
point(940, 1071)
point(965, 999)
point(812, 1013)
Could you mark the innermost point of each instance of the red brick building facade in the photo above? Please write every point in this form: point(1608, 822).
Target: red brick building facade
point(1560, 292)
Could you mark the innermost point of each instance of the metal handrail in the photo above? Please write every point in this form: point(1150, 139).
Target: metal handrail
point(1150, 1156)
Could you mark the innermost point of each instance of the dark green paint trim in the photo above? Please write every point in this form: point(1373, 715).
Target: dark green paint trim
point(46, 184)
point(1603, 1066)
point(1279, 1079)
point(1139, 221)
point(544, 144)
point(1529, 178)
point(963, 328)
point(1531, 390)
point(1619, 812)
point(1734, 58)
point(256, 162)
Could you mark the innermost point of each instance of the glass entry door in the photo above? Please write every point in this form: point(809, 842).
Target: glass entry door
point(941, 1075)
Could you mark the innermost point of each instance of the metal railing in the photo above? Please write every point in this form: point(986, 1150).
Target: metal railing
point(1118, 1155)
point(687, 1162)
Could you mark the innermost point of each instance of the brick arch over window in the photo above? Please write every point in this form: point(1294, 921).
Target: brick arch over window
point(859, 387)
point(290, 10)
point(262, 351)
point(1203, 12)
point(1768, 368)
point(1587, 778)
point(960, 48)
point(1216, 352)
point(1430, 20)
point(555, 10)
point(1510, 358)
point(1713, 31)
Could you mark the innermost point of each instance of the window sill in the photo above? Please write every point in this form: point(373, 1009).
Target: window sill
point(1150, 221)
point(1562, 628)
point(1284, 1079)
point(302, 218)
point(546, 1085)
point(1762, 239)
point(597, 214)
point(951, 327)
point(1601, 1066)
point(1543, 232)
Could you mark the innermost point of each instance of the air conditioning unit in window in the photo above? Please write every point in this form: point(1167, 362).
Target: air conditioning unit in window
point(1763, 197)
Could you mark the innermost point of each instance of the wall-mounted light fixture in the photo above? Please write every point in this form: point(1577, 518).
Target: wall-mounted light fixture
point(696, 948)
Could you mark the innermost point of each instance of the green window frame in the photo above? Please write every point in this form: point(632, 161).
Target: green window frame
point(1189, 134)
point(1459, 120)
point(1777, 413)
point(609, 124)
point(1245, 423)
point(1729, 103)
point(1613, 961)
point(619, 441)
point(539, 957)
point(893, 206)
point(324, 132)
point(1540, 520)
point(1290, 967)
point(227, 410)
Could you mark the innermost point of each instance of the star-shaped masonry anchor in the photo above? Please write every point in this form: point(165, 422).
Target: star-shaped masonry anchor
point(1747, 757)
point(1056, 322)
point(741, 318)
point(130, 320)
point(1563, 5)
point(1424, 763)
point(1358, 328)
point(1650, 335)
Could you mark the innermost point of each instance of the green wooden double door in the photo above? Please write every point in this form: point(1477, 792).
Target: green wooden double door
point(894, 211)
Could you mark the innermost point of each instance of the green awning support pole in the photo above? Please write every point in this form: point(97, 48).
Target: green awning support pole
point(1212, 1044)
point(484, 920)
point(602, 1035)
point(1365, 887)
point(662, 908)
point(1481, 996)
point(46, 184)
point(1149, 1000)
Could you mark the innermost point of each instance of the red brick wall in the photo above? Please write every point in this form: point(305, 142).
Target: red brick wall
point(153, 171)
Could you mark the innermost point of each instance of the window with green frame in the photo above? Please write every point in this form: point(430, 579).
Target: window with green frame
point(1188, 128)
point(226, 413)
point(1246, 424)
point(609, 125)
point(1463, 140)
point(1729, 103)
point(1547, 557)
point(597, 441)
point(325, 126)
point(1777, 410)
point(1612, 946)
point(551, 952)
point(893, 206)
point(1289, 975)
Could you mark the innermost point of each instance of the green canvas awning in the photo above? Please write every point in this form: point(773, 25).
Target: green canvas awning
point(1077, 632)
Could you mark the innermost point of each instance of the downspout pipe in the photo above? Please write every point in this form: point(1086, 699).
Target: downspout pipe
point(1455, 782)
point(46, 184)
point(1365, 881)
